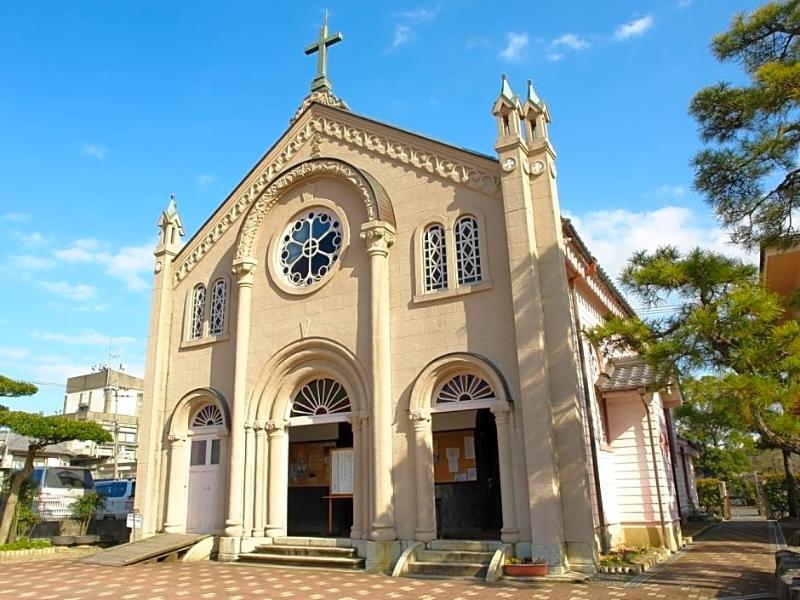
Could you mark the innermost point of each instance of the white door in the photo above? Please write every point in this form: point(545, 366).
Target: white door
point(202, 515)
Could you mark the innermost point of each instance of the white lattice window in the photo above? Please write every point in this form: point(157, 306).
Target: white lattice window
point(434, 256)
point(321, 397)
point(464, 388)
point(219, 296)
point(208, 416)
point(468, 251)
point(198, 312)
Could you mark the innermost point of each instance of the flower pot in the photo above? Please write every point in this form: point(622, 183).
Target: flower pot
point(62, 540)
point(83, 540)
point(526, 570)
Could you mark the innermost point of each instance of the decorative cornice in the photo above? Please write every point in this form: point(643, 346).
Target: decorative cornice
point(323, 96)
point(330, 128)
point(270, 196)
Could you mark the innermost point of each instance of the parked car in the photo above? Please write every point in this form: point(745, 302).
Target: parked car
point(119, 495)
point(55, 490)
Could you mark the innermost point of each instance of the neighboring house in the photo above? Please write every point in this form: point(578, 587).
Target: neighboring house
point(13, 449)
point(111, 398)
point(381, 317)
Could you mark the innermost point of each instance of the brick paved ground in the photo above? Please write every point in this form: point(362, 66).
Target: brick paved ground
point(734, 559)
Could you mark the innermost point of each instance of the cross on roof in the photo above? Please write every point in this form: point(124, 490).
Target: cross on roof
point(321, 46)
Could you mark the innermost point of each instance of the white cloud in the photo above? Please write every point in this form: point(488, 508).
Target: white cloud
point(614, 235)
point(204, 179)
point(56, 372)
point(402, 35)
point(98, 151)
point(31, 239)
point(554, 56)
point(570, 40)
point(419, 15)
point(684, 3)
point(17, 217)
point(32, 263)
point(82, 251)
point(634, 28)
point(666, 191)
point(67, 290)
point(7, 353)
point(130, 265)
point(86, 338)
point(515, 46)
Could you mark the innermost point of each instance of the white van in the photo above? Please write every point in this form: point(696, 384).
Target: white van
point(55, 490)
point(119, 494)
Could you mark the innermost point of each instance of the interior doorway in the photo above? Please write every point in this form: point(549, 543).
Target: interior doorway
point(466, 475)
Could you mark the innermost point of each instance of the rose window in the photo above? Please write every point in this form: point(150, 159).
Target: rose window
point(309, 247)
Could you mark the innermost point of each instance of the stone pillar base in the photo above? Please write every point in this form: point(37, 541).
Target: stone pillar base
point(582, 557)
point(229, 549)
point(381, 556)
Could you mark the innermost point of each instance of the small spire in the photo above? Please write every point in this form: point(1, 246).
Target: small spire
point(172, 207)
point(505, 89)
point(532, 95)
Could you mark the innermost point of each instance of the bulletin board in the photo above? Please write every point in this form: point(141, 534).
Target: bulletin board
point(454, 456)
point(309, 464)
point(342, 471)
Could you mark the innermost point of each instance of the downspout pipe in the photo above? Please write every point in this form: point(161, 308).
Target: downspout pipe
point(673, 455)
point(604, 546)
point(655, 464)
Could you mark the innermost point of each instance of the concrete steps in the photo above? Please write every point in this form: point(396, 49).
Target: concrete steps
point(453, 558)
point(304, 552)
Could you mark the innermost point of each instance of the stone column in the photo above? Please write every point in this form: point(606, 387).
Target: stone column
point(249, 477)
point(260, 480)
point(243, 269)
point(178, 480)
point(422, 448)
point(278, 471)
point(502, 420)
point(379, 236)
point(356, 421)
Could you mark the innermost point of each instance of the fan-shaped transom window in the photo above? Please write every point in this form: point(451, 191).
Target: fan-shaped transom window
point(198, 312)
point(468, 251)
point(320, 397)
point(208, 416)
point(309, 247)
point(464, 388)
point(219, 296)
point(434, 252)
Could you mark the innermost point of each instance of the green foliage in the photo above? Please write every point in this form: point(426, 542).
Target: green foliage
point(624, 557)
point(12, 388)
point(26, 518)
point(52, 429)
point(749, 171)
point(726, 324)
point(776, 494)
point(85, 508)
point(709, 497)
point(25, 544)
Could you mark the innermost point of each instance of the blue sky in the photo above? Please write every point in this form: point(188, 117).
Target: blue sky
point(108, 107)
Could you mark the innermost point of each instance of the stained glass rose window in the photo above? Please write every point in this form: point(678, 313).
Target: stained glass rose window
point(309, 247)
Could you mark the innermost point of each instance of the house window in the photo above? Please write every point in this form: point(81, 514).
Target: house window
point(468, 257)
point(434, 253)
point(198, 311)
point(219, 292)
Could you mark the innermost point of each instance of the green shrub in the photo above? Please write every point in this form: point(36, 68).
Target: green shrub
point(774, 486)
point(709, 497)
point(85, 508)
point(24, 544)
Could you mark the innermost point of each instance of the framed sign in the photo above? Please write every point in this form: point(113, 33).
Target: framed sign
point(342, 471)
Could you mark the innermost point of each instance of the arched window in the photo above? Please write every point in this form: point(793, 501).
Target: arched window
point(320, 397)
point(463, 388)
point(198, 312)
point(208, 416)
point(434, 255)
point(219, 294)
point(468, 252)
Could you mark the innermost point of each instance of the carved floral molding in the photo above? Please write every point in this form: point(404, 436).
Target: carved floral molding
point(332, 129)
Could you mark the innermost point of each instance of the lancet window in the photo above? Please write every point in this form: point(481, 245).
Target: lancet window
point(219, 298)
point(468, 252)
point(198, 312)
point(434, 250)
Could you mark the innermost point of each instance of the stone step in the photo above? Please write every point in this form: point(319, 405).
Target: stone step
point(312, 541)
point(465, 545)
point(289, 550)
point(329, 562)
point(447, 569)
point(453, 556)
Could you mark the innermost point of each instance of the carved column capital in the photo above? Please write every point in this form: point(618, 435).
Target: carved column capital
point(378, 237)
point(243, 270)
point(177, 438)
point(501, 412)
point(358, 419)
point(420, 419)
point(258, 427)
point(276, 427)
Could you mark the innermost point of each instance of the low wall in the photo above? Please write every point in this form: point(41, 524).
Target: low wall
point(787, 575)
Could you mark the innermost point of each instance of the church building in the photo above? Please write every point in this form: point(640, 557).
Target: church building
point(376, 339)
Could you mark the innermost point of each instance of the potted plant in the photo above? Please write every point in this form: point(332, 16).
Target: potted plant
point(84, 510)
point(527, 567)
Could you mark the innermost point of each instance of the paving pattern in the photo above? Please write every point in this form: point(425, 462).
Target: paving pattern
point(734, 559)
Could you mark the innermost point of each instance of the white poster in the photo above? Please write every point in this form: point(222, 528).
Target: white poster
point(342, 471)
point(472, 474)
point(469, 448)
